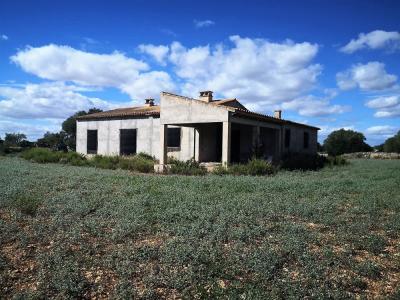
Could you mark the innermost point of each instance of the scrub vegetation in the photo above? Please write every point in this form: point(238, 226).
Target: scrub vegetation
point(76, 232)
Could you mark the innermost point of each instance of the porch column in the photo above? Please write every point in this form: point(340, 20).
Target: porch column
point(256, 136)
point(163, 144)
point(196, 144)
point(226, 143)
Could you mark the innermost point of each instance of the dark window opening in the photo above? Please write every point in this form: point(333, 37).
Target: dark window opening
point(174, 138)
point(306, 140)
point(127, 142)
point(287, 138)
point(92, 142)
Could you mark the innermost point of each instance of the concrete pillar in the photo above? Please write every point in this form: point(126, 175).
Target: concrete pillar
point(226, 143)
point(163, 144)
point(196, 144)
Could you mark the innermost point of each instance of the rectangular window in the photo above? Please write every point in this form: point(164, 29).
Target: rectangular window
point(174, 137)
point(287, 138)
point(306, 140)
point(127, 142)
point(92, 142)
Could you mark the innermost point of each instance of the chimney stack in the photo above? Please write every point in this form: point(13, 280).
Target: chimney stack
point(206, 96)
point(278, 114)
point(149, 102)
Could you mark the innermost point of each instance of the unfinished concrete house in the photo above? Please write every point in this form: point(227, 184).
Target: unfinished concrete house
point(208, 130)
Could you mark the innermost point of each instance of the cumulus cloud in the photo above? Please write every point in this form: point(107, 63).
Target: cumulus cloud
point(386, 106)
point(385, 131)
point(64, 63)
point(3, 37)
point(46, 100)
point(312, 106)
point(203, 23)
point(159, 53)
point(260, 73)
point(371, 76)
point(377, 39)
point(32, 131)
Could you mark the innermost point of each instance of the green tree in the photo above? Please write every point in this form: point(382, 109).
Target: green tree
point(69, 127)
point(14, 139)
point(345, 141)
point(392, 144)
point(55, 141)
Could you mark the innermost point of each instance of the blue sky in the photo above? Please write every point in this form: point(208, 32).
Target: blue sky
point(333, 64)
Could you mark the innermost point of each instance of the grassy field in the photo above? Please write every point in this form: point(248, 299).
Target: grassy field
point(76, 232)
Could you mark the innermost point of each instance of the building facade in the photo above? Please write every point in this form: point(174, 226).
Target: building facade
point(205, 129)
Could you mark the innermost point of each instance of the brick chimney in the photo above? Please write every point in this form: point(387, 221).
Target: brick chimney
point(278, 114)
point(149, 102)
point(206, 96)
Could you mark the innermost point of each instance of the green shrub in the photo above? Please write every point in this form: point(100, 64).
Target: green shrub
point(144, 155)
point(26, 204)
point(189, 167)
point(105, 162)
point(42, 155)
point(254, 167)
point(140, 163)
point(303, 161)
point(336, 161)
point(259, 167)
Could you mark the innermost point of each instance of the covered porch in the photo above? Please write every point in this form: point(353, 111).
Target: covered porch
point(221, 134)
point(234, 141)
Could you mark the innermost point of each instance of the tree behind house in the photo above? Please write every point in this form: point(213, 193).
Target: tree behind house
point(392, 144)
point(345, 141)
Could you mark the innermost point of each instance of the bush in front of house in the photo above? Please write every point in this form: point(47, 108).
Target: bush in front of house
point(141, 162)
point(336, 161)
point(42, 155)
point(313, 162)
point(254, 167)
point(189, 167)
point(303, 161)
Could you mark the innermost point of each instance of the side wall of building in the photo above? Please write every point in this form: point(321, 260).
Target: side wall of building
point(297, 139)
point(147, 137)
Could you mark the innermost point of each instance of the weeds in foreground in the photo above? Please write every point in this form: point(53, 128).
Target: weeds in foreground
point(101, 233)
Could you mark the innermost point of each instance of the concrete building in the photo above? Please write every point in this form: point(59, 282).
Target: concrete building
point(205, 129)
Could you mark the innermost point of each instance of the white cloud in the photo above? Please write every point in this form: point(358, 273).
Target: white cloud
point(3, 37)
point(377, 39)
point(260, 73)
point(312, 106)
point(386, 106)
point(32, 131)
point(369, 77)
point(385, 131)
point(203, 23)
point(64, 63)
point(325, 130)
point(46, 100)
point(159, 53)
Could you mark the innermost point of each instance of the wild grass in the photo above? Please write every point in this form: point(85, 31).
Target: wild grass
point(334, 233)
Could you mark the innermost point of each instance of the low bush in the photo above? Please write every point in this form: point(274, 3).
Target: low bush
point(303, 161)
point(336, 161)
point(26, 204)
point(141, 162)
point(104, 162)
point(254, 167)
point(42, 155)
point(189, 167)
